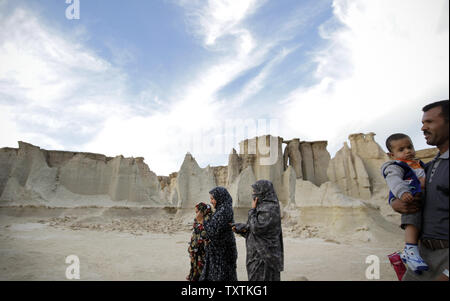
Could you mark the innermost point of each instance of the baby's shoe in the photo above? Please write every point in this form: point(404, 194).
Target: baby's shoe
point(411, 257)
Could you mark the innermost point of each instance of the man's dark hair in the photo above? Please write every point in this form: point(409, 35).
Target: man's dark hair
point(444, 108)
point(394, 137)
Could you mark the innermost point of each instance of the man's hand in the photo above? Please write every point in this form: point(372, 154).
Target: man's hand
point(422, 182)
point(406, 206)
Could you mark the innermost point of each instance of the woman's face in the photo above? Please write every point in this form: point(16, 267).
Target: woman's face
point(213, 201)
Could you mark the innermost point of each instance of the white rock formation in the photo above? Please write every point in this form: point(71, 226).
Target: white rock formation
point(309, 159)
point(293, 157)
point(240, 190)
point(372, 156)
point(193, 183)
point(264, 154)
point(321, 159)
point(327, 195)
point(69, 179)
point(234, 167)
point(347, 171)
point(287, 193)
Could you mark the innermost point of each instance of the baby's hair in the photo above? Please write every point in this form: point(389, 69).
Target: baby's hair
point(202, 206)
point(394, 137)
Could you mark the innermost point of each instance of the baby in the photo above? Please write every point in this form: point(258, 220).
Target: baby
point(405, 177)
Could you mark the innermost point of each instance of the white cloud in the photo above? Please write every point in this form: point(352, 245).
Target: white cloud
point(218, 18)
point(257, 83)
point(8, 129)
point(51, 85)
point(24, 42)
point(386, 56)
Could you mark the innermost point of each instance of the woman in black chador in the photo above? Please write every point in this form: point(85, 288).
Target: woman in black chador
point(221, 252)
point(263, 234)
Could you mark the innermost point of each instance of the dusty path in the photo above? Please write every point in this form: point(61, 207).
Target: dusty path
point(35, 250)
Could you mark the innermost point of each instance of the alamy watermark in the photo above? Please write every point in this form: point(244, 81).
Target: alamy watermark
point(221, 137)
point(373, 270)
point(73, 270)
point(73, 10)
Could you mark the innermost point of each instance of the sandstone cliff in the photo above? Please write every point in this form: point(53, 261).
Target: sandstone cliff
point(30, 175)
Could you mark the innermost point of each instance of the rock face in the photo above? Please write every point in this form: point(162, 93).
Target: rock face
point(347, 171)
point(372, 156)
point(258, 158)
point(327, 195)
point(234, 167)
point(8, 157)
point(426, 155)
point(356, 170)
point(265, 156)
point(50, 177)
point(220, 175)
point(287, 194)
point(309, 160)
point(321, 159)
point(262, 158)
point(193, 183)
point(240, 189)
point(293, 157)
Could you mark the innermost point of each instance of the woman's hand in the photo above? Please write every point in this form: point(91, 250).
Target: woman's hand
point(199, 217)
point(254, 202)
point(233, 228)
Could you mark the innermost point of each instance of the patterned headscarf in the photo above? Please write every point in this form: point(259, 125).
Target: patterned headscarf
point(222, 196)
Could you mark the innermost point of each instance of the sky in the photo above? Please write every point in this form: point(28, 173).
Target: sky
point(160, 78)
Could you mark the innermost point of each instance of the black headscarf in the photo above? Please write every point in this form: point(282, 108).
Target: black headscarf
point(263, 233)
point(265, 192)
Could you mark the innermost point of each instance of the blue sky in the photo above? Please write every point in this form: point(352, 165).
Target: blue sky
point(160, 78)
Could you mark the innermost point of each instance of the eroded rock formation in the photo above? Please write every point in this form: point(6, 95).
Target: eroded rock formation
point(193, 183)
point(347, 171)
point(303, 176)
point(70, 179)
point(309, 160)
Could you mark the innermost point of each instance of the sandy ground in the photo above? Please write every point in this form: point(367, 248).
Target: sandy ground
point(35, 248)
